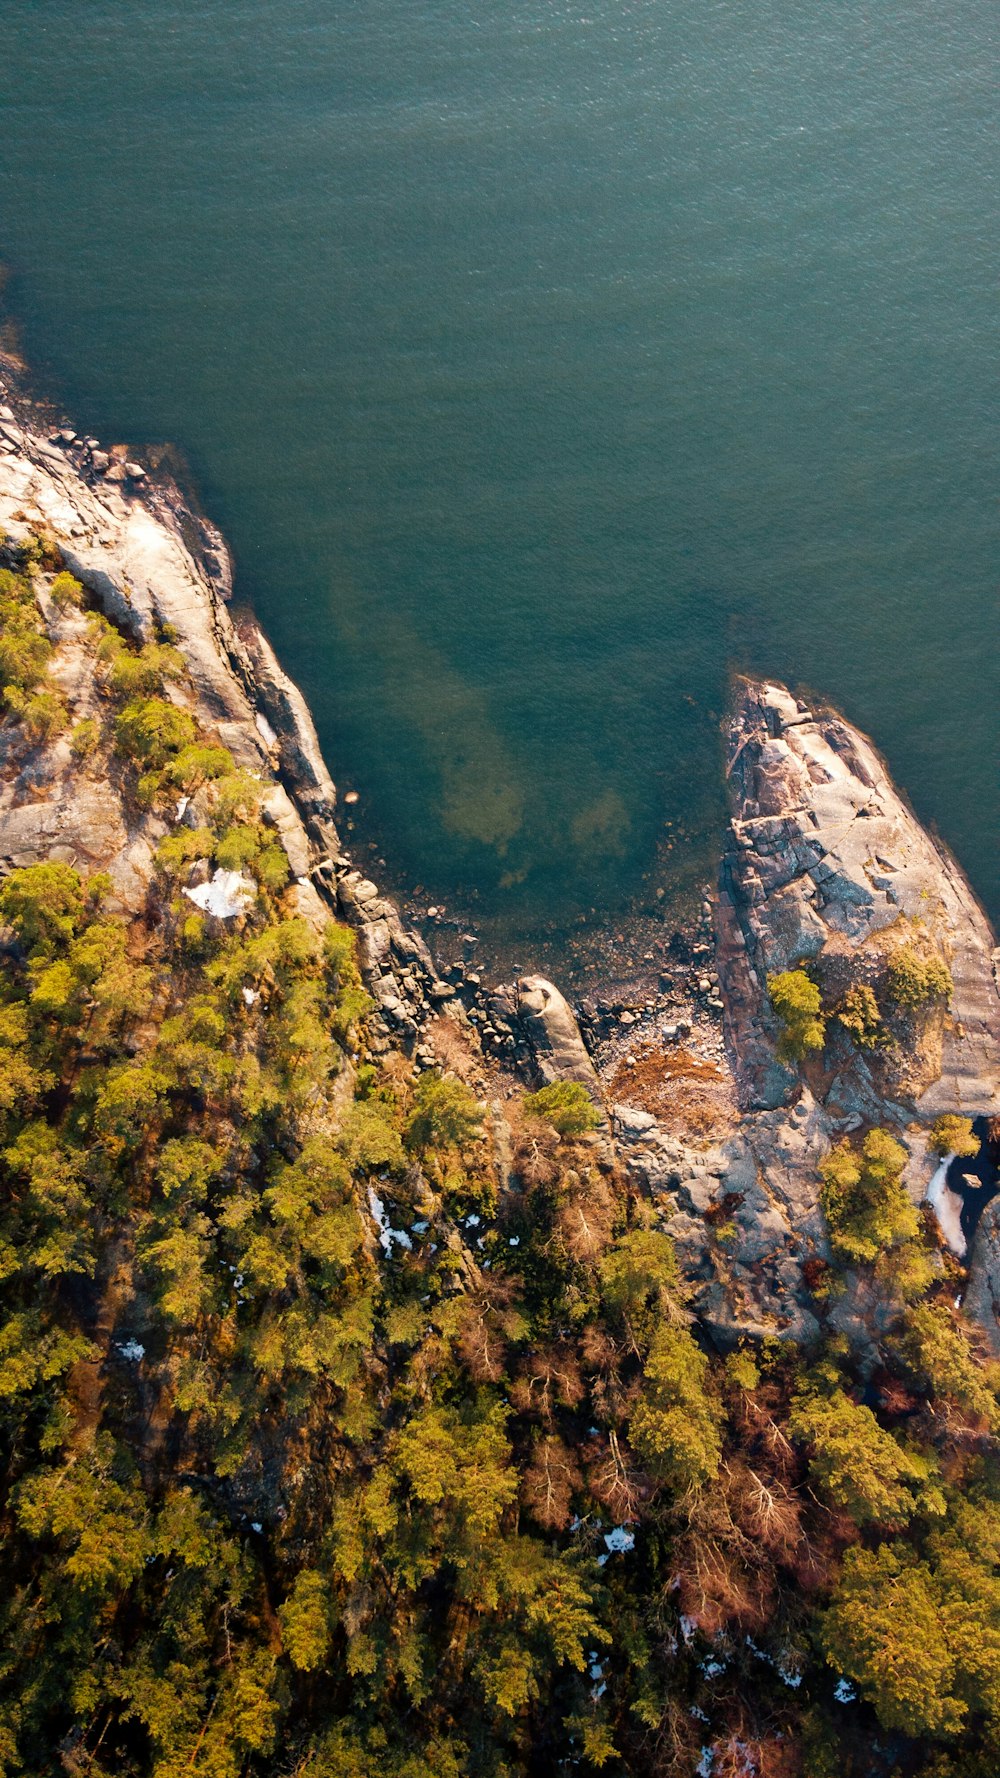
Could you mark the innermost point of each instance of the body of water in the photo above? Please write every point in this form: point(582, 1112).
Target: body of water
point(543, 362)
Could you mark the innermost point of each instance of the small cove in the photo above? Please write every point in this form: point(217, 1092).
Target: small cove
point(542, 367)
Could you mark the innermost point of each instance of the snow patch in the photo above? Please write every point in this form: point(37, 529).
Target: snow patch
point(844, 1692)
point(620, 1541)
point(947, 1208)
point(228, 894)
point(183, 804)
point(131, 1351)
point(387, 1234)
point(264, 729)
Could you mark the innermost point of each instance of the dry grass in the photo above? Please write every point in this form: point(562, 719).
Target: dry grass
point(684, 1091)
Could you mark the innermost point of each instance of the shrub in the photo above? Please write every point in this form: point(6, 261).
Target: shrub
point(150, 730)
point(954, 1135)
point(179, 848)
point(915, 978)
point(566, 1105)
point(859, 1015)
point(237, 847)
point(198, 764)
point(796, 1000)
point(84, 738)
point(42, 713)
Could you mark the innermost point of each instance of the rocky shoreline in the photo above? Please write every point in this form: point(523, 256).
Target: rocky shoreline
point(823, 863)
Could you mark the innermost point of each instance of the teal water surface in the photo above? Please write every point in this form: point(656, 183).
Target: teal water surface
point(543, 362)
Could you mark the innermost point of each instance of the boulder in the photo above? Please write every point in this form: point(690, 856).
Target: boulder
point(554, 1035)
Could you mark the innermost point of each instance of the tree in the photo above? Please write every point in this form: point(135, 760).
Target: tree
point(866, 1208)
point(796, 1001)
point(861, 1468)
point(675, 1427)
point(46, 905)
point(445, 1112)
point(566, 1105)
point(935, 1351)
point(151, 730)
point(859, 1015)
point(305, 1623)
point(917, 977)
point(951, 1134)
point(886, 1630)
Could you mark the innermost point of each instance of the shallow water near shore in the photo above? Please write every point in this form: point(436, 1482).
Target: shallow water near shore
point(543, 364)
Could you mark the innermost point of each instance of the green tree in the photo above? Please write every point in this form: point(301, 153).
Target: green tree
point(916, 977)
point(796, 1001)
point(886, 1630)
point(866, 1207)
point(445, 1113)
point(566, 1105)
point(675, 1427)
point(951, 1134)
point(860, 1467)
point(859, 1015)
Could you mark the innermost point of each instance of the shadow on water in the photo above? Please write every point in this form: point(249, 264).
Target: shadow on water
point(976, 1180)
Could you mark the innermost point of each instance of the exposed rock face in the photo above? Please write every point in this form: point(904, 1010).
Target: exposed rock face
point(823, 858)
point(824, 864)
point(554, 1035)
point(151, 564)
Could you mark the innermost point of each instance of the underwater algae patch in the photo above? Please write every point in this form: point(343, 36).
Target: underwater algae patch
point(481, 791)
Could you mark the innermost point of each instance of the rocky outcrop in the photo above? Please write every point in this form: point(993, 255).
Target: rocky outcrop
point(154, 568)
point(554, 1035)
point(823, 860)
point(824, 865)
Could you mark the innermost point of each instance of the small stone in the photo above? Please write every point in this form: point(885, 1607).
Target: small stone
point(100, 461)
point(6, 413)
point(704, 985)
point(351, 797)
point(66, 437)
point(473, 979)
point(432, 913)
point(627, 1018)
point(135, 472)
point(116, 473)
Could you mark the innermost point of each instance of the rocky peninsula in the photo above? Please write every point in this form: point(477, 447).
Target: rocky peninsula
point(824, 864)
point(381, 1259)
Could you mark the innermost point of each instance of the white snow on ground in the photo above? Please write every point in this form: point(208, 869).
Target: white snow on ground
point(844, 1692)
point(619, 1540)
point(947, 1207)
point(387, 1234)
point(131, 1350)
point(264, 729)
point(228, 894)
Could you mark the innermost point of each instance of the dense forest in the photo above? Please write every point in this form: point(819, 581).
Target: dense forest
point(353, 1427)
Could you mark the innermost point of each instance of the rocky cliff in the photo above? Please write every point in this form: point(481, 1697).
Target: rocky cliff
point(824, 865)
point(155, 569)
